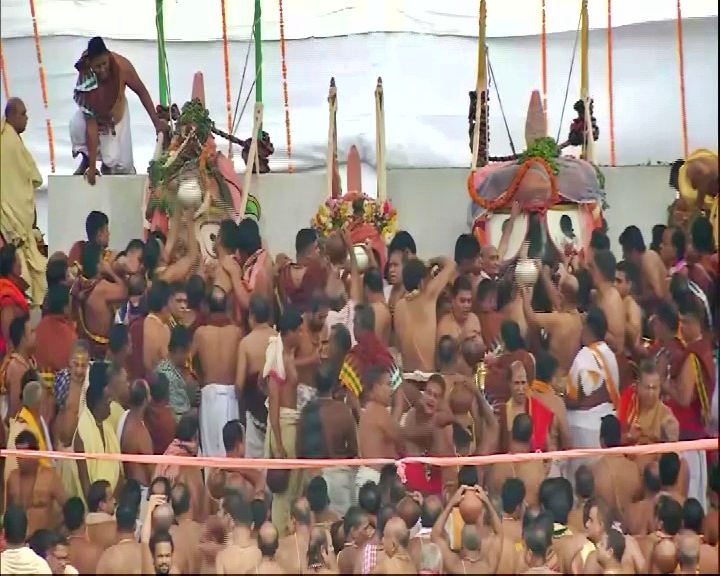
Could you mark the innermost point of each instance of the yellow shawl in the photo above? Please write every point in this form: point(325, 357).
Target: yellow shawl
point(19, 177)
point(23, 421)
point(93, 442)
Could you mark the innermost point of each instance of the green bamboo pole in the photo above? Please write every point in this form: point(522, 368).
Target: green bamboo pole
point(162, 57)
point(257, 32)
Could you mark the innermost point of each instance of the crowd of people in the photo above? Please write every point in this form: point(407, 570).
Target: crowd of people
point(154, 355)
point(150, 352)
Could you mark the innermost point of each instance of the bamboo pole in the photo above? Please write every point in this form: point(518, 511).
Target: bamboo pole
point(257, 33)
point(161, 54)
point(380, 141)
point(332, 138)
point(481, 81)
point(584, 78)
point(252, 158)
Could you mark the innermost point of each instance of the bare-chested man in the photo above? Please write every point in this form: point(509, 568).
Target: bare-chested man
point(396, 538)
point(617, 477)
point(532, 472)
point(215, 346)
point(416, 316)
point(292, 549)
point(627, 282)
point(600, 517)
point(639, 516)
point(268, 541)
point(461, 323)
point(307, 356)
point(428, 432)
point(93, 298)
point(242, 553)
point(545, 389)
point(156, 328)
point(335, 437)
point(693, 517)
point(249, 483)
point(563, 325)
point(69, 397)
point(537, 539)
point(358, 530)
point(468, 259)
point(82, 553)
point(35, 487)
point(652, 270)
point(125, 556)
point(19, 361)
point(282, 381)
point(101, 124)
point(469, 559)
point(133, 435)
point(185, 532)
point(379, 435)
point(375, 297)
point(602, 269)
point(250, 388)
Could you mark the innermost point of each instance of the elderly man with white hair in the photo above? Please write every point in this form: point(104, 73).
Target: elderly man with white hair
point(30, 418)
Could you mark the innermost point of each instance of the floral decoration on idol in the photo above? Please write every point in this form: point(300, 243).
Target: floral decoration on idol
point(336, 213)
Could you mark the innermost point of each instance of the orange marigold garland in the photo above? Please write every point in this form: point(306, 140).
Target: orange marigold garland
point(508, 195)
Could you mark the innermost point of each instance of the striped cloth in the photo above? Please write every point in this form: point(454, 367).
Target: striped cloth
point(369, 352)
point(86, 82)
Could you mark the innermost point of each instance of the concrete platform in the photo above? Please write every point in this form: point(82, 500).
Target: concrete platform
point(432, 204)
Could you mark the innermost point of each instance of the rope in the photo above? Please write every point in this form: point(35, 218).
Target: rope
point(611, 102)
point(567, 87)
point(502, 110)
point(301, 463)
point(543, 63)
point(286, 105)
point(43, 87)
point(3, 73)
point(226, 65)
point(235, 118)
point(681, 71)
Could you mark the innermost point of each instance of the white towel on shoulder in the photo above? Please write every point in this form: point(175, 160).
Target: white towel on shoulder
point(274, 363)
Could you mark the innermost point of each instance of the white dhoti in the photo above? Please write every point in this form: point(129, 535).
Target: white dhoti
point(366, 474)
point(697, 475)
point(341, 487)
point(584, 428)
point(218, 405)
point(114, 150)
point(254, 437)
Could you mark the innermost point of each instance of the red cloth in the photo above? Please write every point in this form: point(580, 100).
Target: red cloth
point(160, 422)
point(11, 295)
point(628, 406)
point(313, 281)
point(55, 335)
point(693, 418)
point(417, 478)
point(542, 418)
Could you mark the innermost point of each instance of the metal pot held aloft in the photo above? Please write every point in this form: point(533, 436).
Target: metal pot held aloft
point(361, 256)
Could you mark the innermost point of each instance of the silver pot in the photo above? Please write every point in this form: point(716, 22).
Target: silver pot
point(190, 193)
point(526, 273)
point(361, 255)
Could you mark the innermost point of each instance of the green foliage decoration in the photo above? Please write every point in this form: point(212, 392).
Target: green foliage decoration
point(545, 148)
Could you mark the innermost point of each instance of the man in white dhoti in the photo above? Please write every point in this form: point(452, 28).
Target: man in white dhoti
point(100, 128)
point(592, 387)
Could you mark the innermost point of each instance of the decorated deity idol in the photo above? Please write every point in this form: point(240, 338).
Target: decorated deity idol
point(189, 172)
point(370, 222)
point(561, 197)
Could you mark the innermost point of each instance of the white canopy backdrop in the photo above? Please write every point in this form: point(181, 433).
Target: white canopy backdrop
point(425, 52)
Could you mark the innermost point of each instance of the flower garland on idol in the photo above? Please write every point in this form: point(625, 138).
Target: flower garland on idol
point(335, 213)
